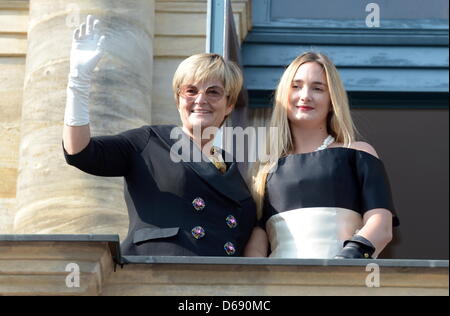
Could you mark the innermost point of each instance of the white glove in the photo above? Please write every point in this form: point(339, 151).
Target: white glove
point(87, 50)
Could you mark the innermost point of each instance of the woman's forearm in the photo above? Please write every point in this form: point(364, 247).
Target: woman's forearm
point(377, 229)
point(258, 244)
point(87, 50)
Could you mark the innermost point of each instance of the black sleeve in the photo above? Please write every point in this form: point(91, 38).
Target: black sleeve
point(375, 186)
point(110, 156)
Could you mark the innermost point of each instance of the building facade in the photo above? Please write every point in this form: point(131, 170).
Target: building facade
point(396, 74)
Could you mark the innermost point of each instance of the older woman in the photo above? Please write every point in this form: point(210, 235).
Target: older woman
point(323, 194)
point(177, 205)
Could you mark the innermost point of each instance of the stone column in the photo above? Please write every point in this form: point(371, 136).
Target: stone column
point(53, 197)
point(13, 47)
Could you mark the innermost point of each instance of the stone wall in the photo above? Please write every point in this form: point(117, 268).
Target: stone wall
point(13, 46)
point(180, 31)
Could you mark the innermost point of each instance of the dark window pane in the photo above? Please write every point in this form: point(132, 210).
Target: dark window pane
point(356, 9)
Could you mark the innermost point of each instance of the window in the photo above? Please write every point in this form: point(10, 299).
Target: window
point(399, 63)
point(284, 10)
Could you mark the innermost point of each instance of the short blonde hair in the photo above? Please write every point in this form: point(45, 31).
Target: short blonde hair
point(203, 67)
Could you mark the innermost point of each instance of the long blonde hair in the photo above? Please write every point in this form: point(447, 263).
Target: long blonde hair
point(339, 123)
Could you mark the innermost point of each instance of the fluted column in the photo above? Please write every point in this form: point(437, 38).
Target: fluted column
point(53, 197)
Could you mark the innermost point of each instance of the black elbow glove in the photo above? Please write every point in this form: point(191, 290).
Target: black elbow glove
point(357, 247)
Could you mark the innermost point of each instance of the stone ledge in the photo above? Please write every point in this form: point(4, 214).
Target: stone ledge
point(41, 264)
point(14, 4)
point(37, 265)
point(284, 262)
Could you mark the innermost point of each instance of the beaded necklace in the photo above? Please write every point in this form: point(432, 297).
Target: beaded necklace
point(327, 142)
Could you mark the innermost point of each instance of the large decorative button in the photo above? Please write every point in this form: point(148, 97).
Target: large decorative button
point(231, 221)
point(198, 232)
point(229, 248)
point(199, 204)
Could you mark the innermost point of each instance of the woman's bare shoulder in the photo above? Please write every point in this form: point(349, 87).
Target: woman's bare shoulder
point(363, 146)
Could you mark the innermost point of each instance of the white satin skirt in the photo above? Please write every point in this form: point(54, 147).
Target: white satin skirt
point(315, 232)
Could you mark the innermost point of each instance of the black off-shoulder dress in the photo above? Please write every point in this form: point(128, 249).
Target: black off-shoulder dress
point(315, 201)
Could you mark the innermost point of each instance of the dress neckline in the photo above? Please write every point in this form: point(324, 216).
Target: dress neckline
point(326, 150)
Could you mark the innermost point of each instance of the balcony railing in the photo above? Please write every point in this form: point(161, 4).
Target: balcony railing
point(92, 265)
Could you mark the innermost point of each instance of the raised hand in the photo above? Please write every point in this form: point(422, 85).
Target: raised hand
point(87, 49)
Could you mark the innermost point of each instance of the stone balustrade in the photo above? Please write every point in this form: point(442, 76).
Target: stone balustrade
point(48, 265)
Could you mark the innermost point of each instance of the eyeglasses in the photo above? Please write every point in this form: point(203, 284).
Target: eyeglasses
point(212, 94)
